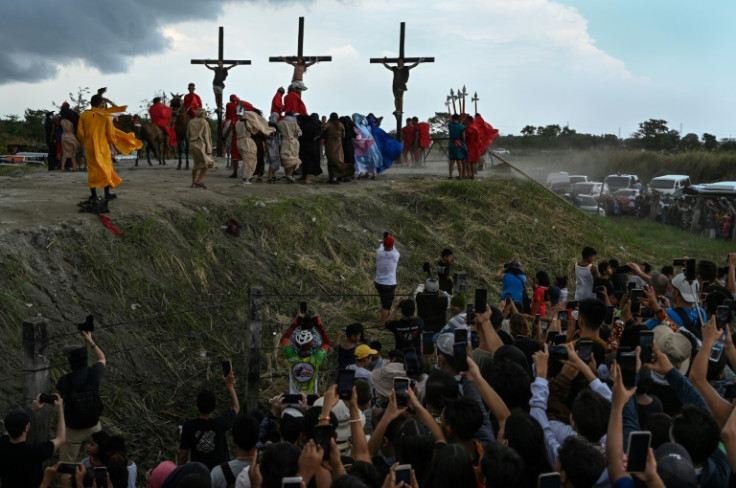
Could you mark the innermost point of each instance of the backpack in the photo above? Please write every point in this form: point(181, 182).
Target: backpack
point(84, 404)
point(525, 301)
point(227, 472)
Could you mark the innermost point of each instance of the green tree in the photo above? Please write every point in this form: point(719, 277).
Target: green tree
point(438, 124)
point(656, 136)
point(690, 142)
point(709, 142)
point(528, 130)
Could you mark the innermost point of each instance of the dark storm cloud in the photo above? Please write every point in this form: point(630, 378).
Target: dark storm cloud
point(39, 37)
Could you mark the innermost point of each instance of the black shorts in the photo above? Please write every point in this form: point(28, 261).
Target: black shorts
point(387, 295)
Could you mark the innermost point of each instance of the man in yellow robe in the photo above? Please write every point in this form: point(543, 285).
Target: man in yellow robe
point(96, 132)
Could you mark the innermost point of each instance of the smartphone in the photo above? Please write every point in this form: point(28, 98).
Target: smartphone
point(401, 388)
point(303, 307)
point(562, 317)
point(690, 270)
point(290, 398)
point(47, 398)
point(403, 473)
point(461, 335)
point(723, 313)
point(481, 299)
point(551, 334)
point(411, 362)
point(678, 262)
point(323, 434)
point(227, 366)
point(556, 355)
point(311, 399)
point(470, 314)
point(549, 480)
point(88, 325)
point(627, 362)
point(560, 339)
point(631, 285)
point(67, 468)
point(427, 342)
point(585, 349)
point(101, 477)
point(345, 382)
point(634, 296)
point(637, 451)
point(460, 354)
point(537, 320)
point(291, 482)
point(646, 343)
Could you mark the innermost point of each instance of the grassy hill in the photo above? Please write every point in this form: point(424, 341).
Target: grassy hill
point(170, 295)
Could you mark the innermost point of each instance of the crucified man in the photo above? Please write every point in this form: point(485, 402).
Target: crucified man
point(218, 83)
point(401, 77)
point(300, 66)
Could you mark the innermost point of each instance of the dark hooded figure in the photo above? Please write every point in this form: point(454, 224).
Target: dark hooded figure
point(347, 146)
point(310, 149)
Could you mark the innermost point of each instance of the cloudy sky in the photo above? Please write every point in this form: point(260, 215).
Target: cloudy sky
point(601, 66)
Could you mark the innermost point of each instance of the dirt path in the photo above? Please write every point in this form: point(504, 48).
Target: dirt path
point(45, 198)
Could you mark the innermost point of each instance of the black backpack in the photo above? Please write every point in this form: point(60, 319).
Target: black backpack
point(84, 404)
point(229, 475)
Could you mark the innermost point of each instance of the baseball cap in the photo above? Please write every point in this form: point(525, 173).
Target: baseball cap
point(675, 346)
point(445, 343)
point(687, 290)
point(388, 241)
point(675, 466)
point(363, 351)
point(383, 378)
point(431, 286)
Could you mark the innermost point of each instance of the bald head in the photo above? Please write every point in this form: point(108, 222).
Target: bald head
point(660, 283)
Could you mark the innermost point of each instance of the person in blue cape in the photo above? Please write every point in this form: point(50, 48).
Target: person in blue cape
point(367, 155)
point(390, 148)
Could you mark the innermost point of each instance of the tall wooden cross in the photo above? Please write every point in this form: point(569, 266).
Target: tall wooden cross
point(231, 62)
point(300, 61)
point(475, 99)
point(399, 85)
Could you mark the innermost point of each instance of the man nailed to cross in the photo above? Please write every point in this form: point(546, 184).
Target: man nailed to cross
point(218, 83)
point(300, 62)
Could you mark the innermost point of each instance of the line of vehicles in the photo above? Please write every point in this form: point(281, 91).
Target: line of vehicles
point(622, 189)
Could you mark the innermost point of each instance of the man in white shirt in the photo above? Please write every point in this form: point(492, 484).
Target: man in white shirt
point(387, 259)
point(585, 274)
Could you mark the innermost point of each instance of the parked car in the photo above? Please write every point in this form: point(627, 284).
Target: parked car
point(589, 204)
point(501, 150)
point(578, 179)
point(592, 188)
point(718, 189)
point(558, 182)
point(668, 184)
point(618, 182)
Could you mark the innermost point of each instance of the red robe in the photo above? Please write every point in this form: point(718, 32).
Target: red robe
point(277, 104)
point(191, 103)
point(407, 133)
point(161, 116)
point(424, 137)
point(486, 133)
point(293, 103)
point(472, 141)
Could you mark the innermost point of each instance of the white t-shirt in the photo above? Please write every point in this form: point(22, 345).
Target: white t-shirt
point(386, 263)
point(583, 282)
point(218, 477)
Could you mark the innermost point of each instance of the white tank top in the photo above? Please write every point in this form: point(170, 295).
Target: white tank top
point(583, 282)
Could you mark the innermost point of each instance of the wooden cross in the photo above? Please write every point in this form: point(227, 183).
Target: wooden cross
point(399, 98)
point(231, 62)
point(300, 59)
point(475, 99)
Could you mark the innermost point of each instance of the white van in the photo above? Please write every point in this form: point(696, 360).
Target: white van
point(668, 184)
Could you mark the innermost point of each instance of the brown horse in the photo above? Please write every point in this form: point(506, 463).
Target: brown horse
point(180, 126)
point(156, 140)
point(126, 123)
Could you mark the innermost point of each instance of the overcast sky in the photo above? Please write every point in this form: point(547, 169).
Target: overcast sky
point(600, 66)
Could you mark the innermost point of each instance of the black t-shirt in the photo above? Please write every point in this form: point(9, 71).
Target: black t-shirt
point(21, 464)
point(76, 379)
point(401, 77)
point(220, 76)
point(205, 439)
point(444, 276)
point(407, 332)
point(432, 309)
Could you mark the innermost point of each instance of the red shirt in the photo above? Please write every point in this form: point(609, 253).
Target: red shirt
point(192, 101)
point(408, 135)
point(293, 103)
point(160, 114)
point(277, 104)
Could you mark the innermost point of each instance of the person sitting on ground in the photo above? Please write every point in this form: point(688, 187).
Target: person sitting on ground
point(204, 438)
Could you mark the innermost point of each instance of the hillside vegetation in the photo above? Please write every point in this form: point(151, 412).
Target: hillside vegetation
point(170, 296)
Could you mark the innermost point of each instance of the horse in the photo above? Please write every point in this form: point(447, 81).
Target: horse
point(180, 126)
point(156, 140)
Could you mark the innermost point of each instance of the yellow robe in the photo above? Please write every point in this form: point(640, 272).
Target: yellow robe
point(96, 132)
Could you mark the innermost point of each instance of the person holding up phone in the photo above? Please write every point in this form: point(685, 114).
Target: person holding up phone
point(21, 462)
point(204, 438)
point(304, 362)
